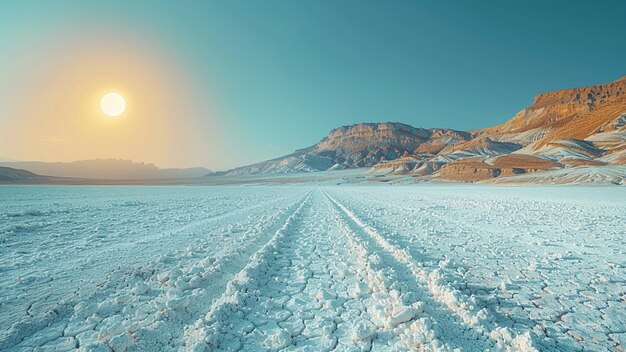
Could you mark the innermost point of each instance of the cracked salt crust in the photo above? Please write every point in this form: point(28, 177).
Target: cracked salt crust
point(301, 268)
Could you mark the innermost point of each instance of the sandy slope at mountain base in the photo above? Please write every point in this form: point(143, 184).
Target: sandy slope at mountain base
point(592, 175)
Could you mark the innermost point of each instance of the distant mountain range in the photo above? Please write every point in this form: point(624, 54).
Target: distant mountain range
point(582, 130)
point(103, 169)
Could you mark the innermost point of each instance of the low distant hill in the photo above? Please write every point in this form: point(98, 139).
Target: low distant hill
point(11, 174)
point(579, 129)
point(105, 169)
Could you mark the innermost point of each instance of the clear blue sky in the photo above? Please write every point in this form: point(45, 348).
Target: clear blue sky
point(278, 75)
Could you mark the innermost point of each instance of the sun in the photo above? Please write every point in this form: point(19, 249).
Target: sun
point(112, 104)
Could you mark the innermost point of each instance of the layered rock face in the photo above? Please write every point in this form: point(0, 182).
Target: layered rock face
point(367, 144)
point(571, 113)
point(572, 128)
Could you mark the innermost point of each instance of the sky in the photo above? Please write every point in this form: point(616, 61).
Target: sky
point(221, 84)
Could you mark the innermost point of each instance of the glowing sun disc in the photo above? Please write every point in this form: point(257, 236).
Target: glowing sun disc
point(112, 104)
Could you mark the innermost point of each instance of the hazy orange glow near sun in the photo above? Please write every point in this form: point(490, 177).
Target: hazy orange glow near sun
point(99, 98)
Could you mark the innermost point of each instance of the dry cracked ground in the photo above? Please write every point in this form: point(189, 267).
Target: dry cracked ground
point(303, 268)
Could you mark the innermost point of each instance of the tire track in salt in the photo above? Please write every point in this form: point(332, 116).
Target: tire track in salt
point(308, 292)
point(464, 309)
point(394, 320)
point(218, 278)
point(161, 304)
point(59, 310)
point(426, 324)
point(223, 325)
point(291, 296)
